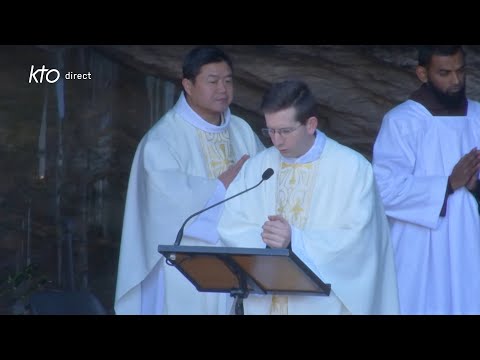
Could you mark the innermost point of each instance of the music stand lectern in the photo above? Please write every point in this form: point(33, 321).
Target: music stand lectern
point(244, 271)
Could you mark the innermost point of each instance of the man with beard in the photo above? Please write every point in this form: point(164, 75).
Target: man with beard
point(426, 164)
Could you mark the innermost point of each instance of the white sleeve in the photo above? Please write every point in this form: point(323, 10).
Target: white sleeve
point(406, 196)
point(204, 227)
point(298, 247)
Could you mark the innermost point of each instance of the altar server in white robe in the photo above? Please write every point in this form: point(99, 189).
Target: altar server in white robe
point(183, 164)
point(322, 203)
point(426, 163)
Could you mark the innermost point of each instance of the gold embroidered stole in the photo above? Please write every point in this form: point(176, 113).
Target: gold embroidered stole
point(294, 194)
point(217, 152)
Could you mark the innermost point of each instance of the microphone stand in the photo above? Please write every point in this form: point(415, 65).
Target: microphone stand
point(180, 232)
point(242, 292)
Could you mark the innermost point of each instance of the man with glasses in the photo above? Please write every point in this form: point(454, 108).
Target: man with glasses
point(321, 203)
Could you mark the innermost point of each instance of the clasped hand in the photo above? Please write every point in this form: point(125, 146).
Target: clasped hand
point(465, 172)
point(276, 232)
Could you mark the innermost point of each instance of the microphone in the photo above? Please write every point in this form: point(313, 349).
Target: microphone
point(267, 174)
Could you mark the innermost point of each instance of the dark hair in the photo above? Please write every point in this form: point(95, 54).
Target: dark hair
point(285, 94)
point(426, 52)
point(202, 55)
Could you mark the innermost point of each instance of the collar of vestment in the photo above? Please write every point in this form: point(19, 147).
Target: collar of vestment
point(186, 112)
point(312, 154)
point(425, 96)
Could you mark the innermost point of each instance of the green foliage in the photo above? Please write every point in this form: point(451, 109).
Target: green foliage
point(21, 284)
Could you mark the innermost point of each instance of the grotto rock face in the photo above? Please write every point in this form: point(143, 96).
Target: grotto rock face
point(354, 84)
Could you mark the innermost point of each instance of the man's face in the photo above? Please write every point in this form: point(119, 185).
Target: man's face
point(299, 138)
point(446, 77)
point(212, 92)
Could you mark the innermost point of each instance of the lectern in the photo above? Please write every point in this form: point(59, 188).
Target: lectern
point(244, 271)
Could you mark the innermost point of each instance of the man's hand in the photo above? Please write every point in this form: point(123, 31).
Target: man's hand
point(465, 170)
point(277, 232)
point(228, 175)
point(472, 183)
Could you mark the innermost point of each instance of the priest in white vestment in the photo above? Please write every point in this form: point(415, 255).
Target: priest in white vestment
point(183, 164)
point(322, 203)
point(426, 162)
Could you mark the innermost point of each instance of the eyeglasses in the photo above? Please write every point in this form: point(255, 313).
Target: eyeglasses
point(282, 132)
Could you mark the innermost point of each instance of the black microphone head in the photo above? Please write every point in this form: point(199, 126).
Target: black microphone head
point(267, 174)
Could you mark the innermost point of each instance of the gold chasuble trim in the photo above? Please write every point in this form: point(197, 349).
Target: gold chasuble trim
point(294, 187)
point(217, 151)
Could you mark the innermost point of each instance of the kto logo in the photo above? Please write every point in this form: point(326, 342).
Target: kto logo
point(51, 75)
